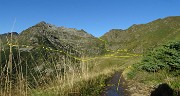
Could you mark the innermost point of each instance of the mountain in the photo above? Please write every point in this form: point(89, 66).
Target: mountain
point(61, 38)
point(6, 36)
point(9, 33)
point(46, 51)
point(140, 37)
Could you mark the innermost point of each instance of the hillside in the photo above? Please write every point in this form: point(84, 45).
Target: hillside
point(138, 38)
point(6, 37)
point(46, 60)
point(44, 51)
point(61, 37)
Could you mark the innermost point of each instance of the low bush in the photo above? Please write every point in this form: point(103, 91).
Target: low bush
point(166, 57)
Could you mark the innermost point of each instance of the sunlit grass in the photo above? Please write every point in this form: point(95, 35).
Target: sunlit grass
point(93, 79)
point(86, 78)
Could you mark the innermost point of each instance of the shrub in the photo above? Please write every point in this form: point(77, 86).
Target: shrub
point(164, 57)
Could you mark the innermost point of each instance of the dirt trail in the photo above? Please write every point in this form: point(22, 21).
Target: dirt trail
point(115, 86)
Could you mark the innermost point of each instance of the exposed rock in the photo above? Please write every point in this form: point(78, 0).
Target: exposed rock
point(61, 37)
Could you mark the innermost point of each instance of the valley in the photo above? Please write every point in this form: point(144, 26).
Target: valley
point(46, 60)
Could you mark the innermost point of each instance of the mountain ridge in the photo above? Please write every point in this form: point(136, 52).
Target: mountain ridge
point(78, 39)
point(133, 38)
point(151, 34)
point(45, 53)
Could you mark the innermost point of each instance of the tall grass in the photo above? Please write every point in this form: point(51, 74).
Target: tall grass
point(35, 71)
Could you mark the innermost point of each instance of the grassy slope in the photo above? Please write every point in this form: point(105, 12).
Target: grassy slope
point(91, 83)
point(44, 54)
point(141, 37)
point(96, 71)
point(136, 39)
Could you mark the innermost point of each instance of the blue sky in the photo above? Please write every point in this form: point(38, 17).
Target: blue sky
point(94, 16)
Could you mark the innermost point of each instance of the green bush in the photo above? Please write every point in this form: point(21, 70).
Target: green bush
point(164, 57)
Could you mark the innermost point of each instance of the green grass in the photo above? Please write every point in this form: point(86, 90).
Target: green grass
point(139, 38)
point(90, 83)
point(87, 78)
point(157, 66)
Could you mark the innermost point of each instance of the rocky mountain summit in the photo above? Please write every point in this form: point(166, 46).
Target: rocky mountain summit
point(60, 38)
point(47, 50)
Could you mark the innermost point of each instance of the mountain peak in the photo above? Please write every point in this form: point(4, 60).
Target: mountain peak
point(9, 33)
point(42, 22)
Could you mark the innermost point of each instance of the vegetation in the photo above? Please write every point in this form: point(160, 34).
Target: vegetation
point(46, 60)
point(158, 65)
point(166, 57)
point(139, 38)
